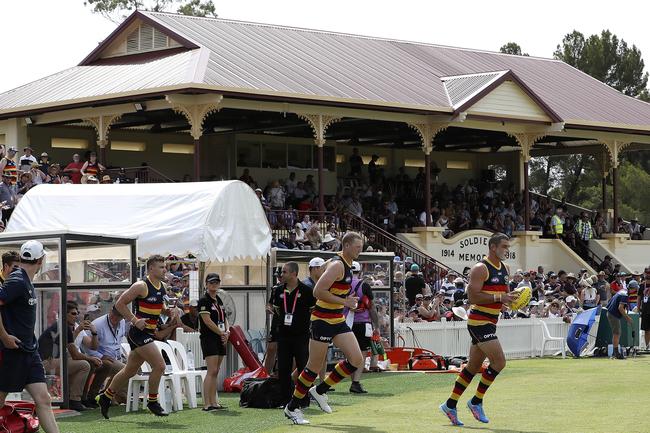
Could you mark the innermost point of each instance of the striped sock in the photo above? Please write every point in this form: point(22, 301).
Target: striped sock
point(304, 382)
point(462, 382)
point(486, 380)
point(109, 393)
point(152, 398)
point(342, 370)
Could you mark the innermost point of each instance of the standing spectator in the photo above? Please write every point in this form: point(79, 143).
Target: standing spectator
point(291, 184)
point(44, 162)
point(585, 232)
point(645, 307)
point(365, 323)
point(618, 284)
point(356, 163)
point(315, 271)
point(247, 178)
point(616, 310)
point(602, 287)
point(414, 285)
point(607, 266)
point(634, 228)
point(8, 198)
point(276, 196)
point(74, 168)
point(557, 224)
point(293, 302)
point(92, 167)
point(38, 177)
point(373, 169)
point(600, 227)
point(27, 160)
point(8, 165)
point(19, 346)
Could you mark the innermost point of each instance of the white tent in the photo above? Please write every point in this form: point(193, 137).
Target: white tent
point(214, 221)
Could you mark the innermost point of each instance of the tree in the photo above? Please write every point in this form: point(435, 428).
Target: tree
point(116, 10)
point(512, 48)
point(607, 59)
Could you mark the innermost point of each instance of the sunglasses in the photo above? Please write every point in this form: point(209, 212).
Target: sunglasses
point(74, 313)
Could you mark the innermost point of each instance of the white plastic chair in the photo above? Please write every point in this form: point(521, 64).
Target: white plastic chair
point(188, 377)
point(547, 338)
point(176, 374)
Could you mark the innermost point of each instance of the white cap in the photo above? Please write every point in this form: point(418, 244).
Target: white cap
point(316, 262)
point(31, 250)
point(459, 280)
point(571, 298)
point(356, 267)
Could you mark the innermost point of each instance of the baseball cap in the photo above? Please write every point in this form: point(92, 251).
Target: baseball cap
point(459, 280)
point(44, 154)
point(32, 250)
point(419, 295)
point(12, 149)
point(212, 278)
point(316, 262)
point(634, 284)
point(356, 267)
point(570, 298)
point(415, 268)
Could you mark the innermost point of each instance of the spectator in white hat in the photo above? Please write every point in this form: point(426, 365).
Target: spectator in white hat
point(315, 271)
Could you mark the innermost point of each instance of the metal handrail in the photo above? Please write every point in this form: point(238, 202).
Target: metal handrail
point(282, 221)
point(431, 268)
point(141, 174)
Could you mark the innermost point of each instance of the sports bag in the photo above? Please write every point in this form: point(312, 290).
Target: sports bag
point(261, 393)
point(18, 417)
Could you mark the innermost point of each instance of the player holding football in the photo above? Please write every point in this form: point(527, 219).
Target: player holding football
point(487, 292)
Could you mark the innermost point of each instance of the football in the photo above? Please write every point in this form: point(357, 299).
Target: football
point(525, 295)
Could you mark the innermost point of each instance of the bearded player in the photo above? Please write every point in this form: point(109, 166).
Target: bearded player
point(487, 292)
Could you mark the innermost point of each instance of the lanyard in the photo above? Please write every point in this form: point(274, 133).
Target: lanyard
point(295, 299)
point(220, 313)
point(110, 328)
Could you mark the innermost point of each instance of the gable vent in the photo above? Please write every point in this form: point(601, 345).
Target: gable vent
point(147, 38)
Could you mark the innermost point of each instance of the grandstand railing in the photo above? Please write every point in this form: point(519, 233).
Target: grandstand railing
point(142, 174)
point(431, 268)
point(283, 221)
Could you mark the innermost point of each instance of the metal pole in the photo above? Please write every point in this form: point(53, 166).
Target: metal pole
point(390, 304)
point(197, 161)
point(604, 194)
point(526, 199)
point(427, 188)
point(615, 204)
point(63, 273)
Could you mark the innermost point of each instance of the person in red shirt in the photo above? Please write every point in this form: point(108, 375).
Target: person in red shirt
point(618, 283)
point(74, 168)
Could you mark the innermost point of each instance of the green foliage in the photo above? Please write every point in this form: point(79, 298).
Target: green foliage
point(607, 59)
point(512, 48)
point(116, 10)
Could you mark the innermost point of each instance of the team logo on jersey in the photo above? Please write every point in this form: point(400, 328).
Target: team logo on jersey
point(152, 299)
point(348, 280)
point(494, 280)
point(32, 301)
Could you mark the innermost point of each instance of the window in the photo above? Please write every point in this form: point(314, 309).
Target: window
point(340, 158)
point(128, 146)
point(410, 162)
point(147, 38)
point(3, 139)
point(187, 149)
point(458, 165)
point(248, 154)
point(69, 143)
point(367, 158)
point(274, 155)
point(299, 156)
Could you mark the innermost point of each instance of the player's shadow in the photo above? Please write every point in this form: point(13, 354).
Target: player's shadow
point(349, 428)
point(152, 425)
point(500, 430)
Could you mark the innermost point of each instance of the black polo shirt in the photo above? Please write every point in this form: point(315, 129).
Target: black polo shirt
point(19, 309)
point(301, 315)
point(217, 313)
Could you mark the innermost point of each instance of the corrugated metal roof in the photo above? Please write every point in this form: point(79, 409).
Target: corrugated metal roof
point(82, 82)
point(326, 66)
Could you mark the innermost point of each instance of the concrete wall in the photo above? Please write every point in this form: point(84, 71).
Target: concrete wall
point(632, 255)
point(527, 250)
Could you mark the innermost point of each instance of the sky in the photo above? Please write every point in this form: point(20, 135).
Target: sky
point(42, 37)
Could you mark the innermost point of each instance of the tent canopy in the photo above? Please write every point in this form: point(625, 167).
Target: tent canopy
point(214, 221)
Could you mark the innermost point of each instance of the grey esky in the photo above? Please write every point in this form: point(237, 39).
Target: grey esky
point(42, 37)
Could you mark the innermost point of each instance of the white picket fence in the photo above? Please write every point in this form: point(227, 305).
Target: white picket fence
point(520, 338)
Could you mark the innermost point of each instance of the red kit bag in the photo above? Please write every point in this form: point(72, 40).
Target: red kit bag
point(18, 417)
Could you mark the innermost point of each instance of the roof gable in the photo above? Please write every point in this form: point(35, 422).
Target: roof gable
point(138, 34)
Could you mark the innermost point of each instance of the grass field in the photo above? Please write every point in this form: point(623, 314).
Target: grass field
point(534, 396)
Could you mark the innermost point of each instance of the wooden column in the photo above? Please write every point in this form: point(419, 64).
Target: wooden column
point(604, 194)
point(526, 198)
point(102, 152)
point(427, 188)
point(197, 159)
point(321, 185)
point(615, 204)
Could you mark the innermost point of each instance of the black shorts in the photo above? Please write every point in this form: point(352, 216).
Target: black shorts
point(645, 319)
point(359, 330)
point(20, 368)
point(212, 346)
point(138, 338)
point(482, 333)
point(324, 332)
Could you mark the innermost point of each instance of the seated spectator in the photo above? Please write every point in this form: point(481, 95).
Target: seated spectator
point(589, 297)
point(190, 320)
point(634, 229)
point(106, 179)
point(553, 310)
point(313, 237)
point(24, 184)
point(54, 174)
point(618, 284)
point(443, 222)
point(111, 329)
point(371, 241)
point(428, 310)
point(330, 243)
point(569, 288)
point(79, 364)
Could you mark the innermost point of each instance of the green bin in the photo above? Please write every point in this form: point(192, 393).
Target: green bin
point(629, 332)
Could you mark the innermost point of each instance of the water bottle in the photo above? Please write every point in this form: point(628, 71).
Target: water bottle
point(190, 359)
